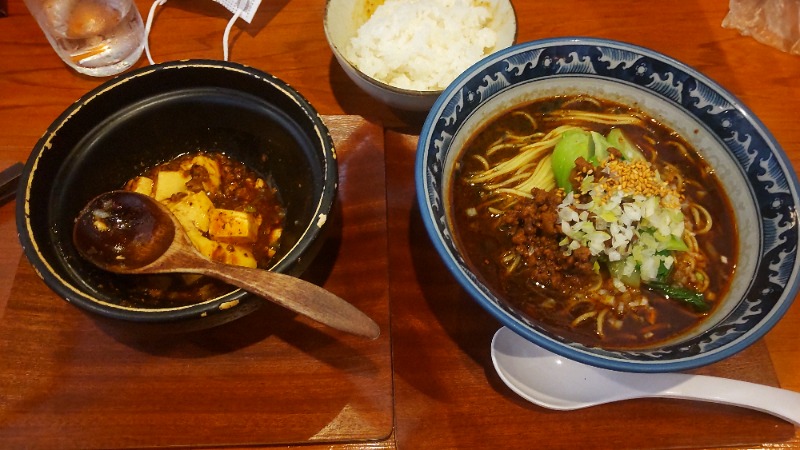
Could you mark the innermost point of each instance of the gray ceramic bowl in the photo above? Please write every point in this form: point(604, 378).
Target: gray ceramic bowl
point(751, 165)
point(342, 21)
point(150, 116)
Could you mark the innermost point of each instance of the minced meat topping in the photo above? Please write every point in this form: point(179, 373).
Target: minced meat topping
point(532, 226)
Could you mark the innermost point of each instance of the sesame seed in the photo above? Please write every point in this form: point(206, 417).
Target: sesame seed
point(639, 177)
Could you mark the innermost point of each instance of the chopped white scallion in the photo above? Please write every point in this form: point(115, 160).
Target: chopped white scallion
point(621, 226)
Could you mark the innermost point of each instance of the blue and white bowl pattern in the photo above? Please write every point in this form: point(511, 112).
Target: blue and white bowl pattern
point(751, 165)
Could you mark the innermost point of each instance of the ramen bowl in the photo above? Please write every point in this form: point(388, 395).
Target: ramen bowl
point(435, 46)
point(148, 117)
point(750, 165)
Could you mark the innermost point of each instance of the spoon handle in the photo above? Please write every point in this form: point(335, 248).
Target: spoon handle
point(9, 178)
point(299, 296)
point(771, 400)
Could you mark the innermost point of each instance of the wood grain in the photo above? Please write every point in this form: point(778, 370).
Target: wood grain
point(452, 386)
point(68, 380)
point(444, 388)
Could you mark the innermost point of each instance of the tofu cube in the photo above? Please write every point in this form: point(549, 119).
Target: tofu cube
point(275, 236)
point(224, 253)
point(204, 245)
point(212, 168)
point(234, 227)
point(221, 252)
point(274, 241)
point(142, 185)
point(169, 183)
point(235, 255)
point(193, 211)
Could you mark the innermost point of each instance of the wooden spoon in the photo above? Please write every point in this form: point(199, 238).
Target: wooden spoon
point(131, 233)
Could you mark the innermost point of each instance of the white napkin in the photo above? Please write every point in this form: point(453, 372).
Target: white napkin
point(244, 9)
point(248, 7)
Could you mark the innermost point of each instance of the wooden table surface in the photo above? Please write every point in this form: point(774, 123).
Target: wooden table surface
point(446, 394)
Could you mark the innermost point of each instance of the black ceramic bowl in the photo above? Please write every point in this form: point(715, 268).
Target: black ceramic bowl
point(150, 116)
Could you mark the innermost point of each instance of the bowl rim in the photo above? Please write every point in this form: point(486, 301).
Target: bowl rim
point(445, 108)
point(413, 93)
point(232, 300)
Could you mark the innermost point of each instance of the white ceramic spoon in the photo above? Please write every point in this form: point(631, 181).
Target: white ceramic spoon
point(556, 382)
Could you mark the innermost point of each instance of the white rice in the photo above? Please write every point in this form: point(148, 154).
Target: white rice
point(423, 44)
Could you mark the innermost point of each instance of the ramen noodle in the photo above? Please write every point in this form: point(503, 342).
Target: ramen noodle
point(595, 220)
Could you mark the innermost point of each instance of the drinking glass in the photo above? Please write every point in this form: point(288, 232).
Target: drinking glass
point(95, 37)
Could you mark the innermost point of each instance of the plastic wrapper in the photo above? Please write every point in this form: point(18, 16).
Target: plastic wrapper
point(241, 9)
point(248, 7)
point(772, 22)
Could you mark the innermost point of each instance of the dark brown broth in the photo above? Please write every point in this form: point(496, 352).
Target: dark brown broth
point(238, 191)
point(482, 243)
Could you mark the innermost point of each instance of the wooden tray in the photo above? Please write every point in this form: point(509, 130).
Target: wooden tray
point(448, 395)
point(68, 381)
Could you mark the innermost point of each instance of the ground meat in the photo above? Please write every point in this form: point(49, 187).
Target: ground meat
point(580, 171)
point(199, 175)
point(532, 225)
point(687, 269)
